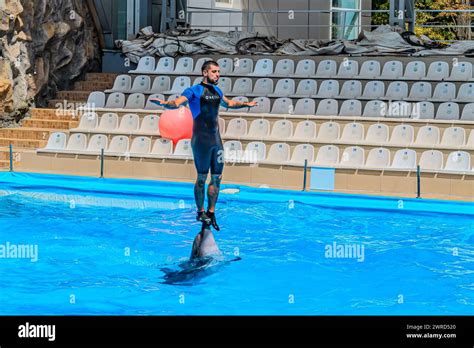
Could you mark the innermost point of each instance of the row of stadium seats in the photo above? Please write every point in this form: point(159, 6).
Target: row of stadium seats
point(303, 106)
point(264, 87)
point(256, 152)
point(348, 68)
point(238, 128)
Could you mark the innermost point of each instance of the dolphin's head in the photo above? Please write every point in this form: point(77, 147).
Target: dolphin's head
point(204, 244)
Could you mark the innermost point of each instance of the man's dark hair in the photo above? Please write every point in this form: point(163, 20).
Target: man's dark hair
point(208, 64)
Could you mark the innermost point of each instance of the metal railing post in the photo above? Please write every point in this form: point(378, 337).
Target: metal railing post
point(418, 182)
point(101, 163)
point(305, 174)
point(11, 158)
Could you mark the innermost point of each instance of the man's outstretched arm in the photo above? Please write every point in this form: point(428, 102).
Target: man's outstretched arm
point(233, 104)
point(171, 104)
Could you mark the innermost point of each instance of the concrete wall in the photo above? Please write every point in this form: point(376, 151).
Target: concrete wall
point(232, 20)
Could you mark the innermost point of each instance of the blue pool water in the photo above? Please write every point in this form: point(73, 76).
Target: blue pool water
point(414, 262)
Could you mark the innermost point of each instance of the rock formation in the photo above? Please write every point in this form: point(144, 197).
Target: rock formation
point(44, 46)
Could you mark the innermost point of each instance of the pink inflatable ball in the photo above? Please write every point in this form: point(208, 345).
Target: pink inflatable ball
point(176, 124)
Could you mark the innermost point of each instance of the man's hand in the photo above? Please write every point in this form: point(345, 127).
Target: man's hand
point(158, 101)
point(251, 104)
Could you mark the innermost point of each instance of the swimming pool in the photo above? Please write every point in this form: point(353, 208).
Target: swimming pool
point(102, 245)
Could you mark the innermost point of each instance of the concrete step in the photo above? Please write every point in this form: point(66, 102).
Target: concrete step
point(90, 86)
point(25, 133)
point(54, 124)
point(23, 143)
point(73, 96)
point(101, 77)
point(53, 114)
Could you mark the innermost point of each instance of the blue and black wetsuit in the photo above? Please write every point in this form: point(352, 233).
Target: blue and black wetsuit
point(204, 101)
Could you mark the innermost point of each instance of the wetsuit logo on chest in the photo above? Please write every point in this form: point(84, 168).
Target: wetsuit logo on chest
point(211, 97)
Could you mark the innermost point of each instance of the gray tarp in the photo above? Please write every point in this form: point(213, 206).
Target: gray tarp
point(383, 40)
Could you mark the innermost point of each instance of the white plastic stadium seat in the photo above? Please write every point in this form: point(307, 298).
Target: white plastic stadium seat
point(180, 83)
point(351, 107)
point(278, 154)
point(377, 133)
point(328, 89)
point(284, 67)
point(459, 161)
point(165, 66)
point(135, 101)
point(353, 132)
point(306, 88)
point(453, 136)
point(259, 128)
point(305, 68)
point(397, 90)
point(263, 67)
point(255, 152)
point(328, 155)
point(415, 70)
point(329, 131)
point(305, 130)
point(431, 160)
point(378, 158)
point(468, 112)
point(242, 86)
point(122, 83)
point(263, 87)
point(420, 91)
point(348, 68)
point(226, 65)
point(162, 147)
point(161, 84)
point(141, 84)
point(353, 156)
point(282, 106)
point(448, 111)
point(327, 107)
point(301, 153)
point(466, 92)
point(115, 101)
point(150, 125)
point(375, 108)
point(77, 142)
point(326, 68)
point(56, 141)
point(404, 159)
point(438, 71)
point(108, 122)
point(370, 69)
point(96, 143)
point(402, 134)
point(95, 100)
point(198, 65)
point(242, 66)
point(146, 65)
point(422, 110)
point(118, 146)
point(305, 106)
point(462, 71)
point(374, 90)
point(284, 88)
point(444, 91)
point(399, 109)
point(351, 89)
point(236, 128)
point(184, 66)
point(129, 124)
point(89, 121)
point(140, 146)
point(282, 129)
point(183, 149)
point(428, 136)
point(392, 70)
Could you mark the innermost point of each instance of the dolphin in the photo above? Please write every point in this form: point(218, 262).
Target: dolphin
point(205, 254)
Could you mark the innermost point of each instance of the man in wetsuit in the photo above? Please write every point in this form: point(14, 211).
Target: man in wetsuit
point(204, 100)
